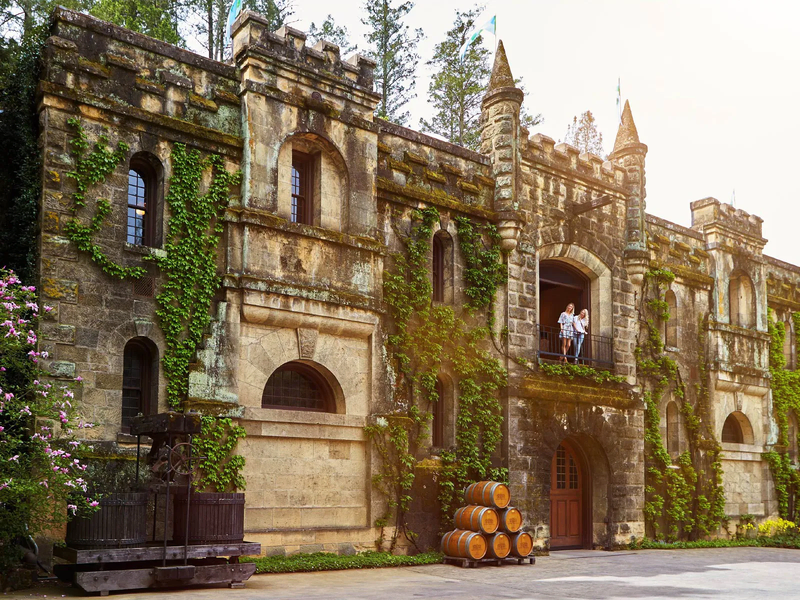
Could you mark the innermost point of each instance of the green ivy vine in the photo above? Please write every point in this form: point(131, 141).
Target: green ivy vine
point(683, 496)
point(220, 468)
point(189, 262)
point(91, 169)
point(427, 338)
point(785, 385)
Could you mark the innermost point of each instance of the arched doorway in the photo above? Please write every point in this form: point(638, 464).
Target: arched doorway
point(570, 499)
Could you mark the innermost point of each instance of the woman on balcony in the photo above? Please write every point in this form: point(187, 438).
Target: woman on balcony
point(566, 321)
point(581, 326)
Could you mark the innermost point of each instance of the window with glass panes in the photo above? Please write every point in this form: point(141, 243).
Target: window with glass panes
point(137, 208)
point(137, 364)
point(299, 387)
point(301, 189)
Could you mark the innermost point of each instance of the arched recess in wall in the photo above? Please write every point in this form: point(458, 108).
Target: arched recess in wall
point(673, 429)
point(671, 324)
point(139, 380)
point(792, 431)
point(788, 344)
point(741, 300)
point(313, 182)
point(145, 201)
point(442, 267)
point(737, 429)
point(443, 411)
point(598, 276)
point(303, 385)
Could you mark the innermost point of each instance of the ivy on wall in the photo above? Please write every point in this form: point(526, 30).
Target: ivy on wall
point(91, 169)
point(189, 262)
point(785, 385)
point(683, 496)
point(426, 339)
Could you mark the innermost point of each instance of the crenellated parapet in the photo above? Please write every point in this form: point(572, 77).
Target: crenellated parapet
point(543, 150)
point(727, 225)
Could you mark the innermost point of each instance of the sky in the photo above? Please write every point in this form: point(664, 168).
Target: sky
point(713, 87)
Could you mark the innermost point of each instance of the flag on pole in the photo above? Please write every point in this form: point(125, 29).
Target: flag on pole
point(236, 8)
point(489, 26)
point(619, 101)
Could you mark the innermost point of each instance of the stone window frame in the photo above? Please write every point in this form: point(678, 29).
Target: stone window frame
point(150, 170)
point(741, 300)
point(671, 325)
point(442, 271)
point(148, 387)
point(303, 165)
point(327, 398)
point(673, 429)
point(738, 425)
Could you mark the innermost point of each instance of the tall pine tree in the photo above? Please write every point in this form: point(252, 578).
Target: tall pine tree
point(394, 48)
point(331, 32)
point(458, 85)
point(156, 18)
point(584, 135)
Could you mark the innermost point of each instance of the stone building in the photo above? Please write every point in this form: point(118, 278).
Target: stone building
point(296, 349)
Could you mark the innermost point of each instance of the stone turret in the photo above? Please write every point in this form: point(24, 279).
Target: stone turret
point(500, 140)
point(629, 153)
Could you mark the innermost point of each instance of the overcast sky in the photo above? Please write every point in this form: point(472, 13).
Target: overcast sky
point(714, 87)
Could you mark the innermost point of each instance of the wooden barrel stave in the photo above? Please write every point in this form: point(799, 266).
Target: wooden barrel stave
point(510, 519)
point(521, 544)
point(488, 493)
point(498, 545)
point(464, 544)
point(477, 518)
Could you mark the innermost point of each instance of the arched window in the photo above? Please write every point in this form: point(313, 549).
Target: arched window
point(442, 267)
point(737, 429)
point(438, 410)
point(741, 301)
point(788, 344)
point(671, 324)
point(673, 429)
point(302, 188)
point(144, 185)
point(791, 433)
point(139, 380)
point(298, 386)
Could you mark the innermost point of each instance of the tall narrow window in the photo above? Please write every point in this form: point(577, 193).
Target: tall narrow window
point(137, 379)
point(671, 324)
point(143, 192)
point(302, 209)
point(673, 433)
point(438, 410)
point(741, 300)
point(438, 269)
point(792, 435)
point(732, 430)
point(788, 345)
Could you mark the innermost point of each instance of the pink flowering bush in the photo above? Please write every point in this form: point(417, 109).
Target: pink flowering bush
point(41, 469)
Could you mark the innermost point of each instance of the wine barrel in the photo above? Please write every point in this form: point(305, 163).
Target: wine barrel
point(521, 544)
point(121, 521)
point(510, 519)
point(488, 493)
point(477, 518)
point(464, 544)
point(498, 545)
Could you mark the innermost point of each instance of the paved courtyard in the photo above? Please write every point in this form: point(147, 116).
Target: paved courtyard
point(730, 573)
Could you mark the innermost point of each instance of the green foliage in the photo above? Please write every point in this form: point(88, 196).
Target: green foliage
point(324, 561)
point(484, 271)
point(90, 170)
point(220, 468)
point(788, 541)
point(571, 371)
point(785, 386)
point(394, 48)
point(458, 86)
point(683, 497)
point(157, 18)
point(331, 32)
point(427, 337)
point(584, 135)
point(20, 157)
point(41, 459)
point(189, 264)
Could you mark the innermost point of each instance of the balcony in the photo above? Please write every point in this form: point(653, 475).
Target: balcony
point(597, 351)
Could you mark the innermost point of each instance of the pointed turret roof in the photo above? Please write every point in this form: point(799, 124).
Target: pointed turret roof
point(501, 72)
point(626, 134)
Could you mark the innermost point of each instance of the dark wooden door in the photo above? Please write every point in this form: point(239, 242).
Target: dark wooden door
point(566, 499)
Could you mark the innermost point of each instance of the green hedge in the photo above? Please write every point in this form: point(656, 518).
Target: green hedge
point(789, 541)
point(324, 561)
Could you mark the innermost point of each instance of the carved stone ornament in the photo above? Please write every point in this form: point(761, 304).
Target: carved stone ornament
point(307, 342)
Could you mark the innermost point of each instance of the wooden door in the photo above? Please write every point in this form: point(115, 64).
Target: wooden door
point(566, 499)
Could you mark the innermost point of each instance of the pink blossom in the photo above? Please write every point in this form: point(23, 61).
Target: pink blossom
point(93, 503)
point(25, 411)
point(79, 378)
point(15, 458)
point(9, 396)
point(72, 508)
point(48, 308)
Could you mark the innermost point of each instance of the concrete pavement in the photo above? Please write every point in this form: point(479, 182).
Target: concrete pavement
point(729, 573)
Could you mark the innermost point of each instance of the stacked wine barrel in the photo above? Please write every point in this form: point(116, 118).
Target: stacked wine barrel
point(487, 527)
